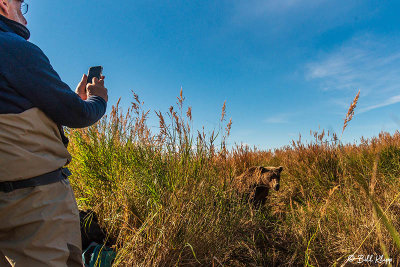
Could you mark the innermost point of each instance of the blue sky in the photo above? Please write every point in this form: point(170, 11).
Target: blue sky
point(284, 67)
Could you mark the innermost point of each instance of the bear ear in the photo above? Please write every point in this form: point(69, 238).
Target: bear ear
point(280, 168)
point(264, 170)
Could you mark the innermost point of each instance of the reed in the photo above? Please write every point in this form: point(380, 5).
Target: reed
point(350, 112)
point(167, 196)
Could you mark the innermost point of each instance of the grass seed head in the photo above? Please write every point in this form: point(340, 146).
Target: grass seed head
point(223, 111)
point(350, 112)
point(189, 113)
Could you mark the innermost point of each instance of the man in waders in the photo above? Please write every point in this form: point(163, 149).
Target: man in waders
point(39, 221)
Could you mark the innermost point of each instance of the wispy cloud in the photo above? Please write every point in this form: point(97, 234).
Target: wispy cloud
point(390, 101)
point(367, 63)
point(287, 15)
point(362, 63)
point(278, 119)
point(265, 7)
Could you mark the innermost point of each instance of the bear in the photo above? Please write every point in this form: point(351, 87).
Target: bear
point(90, 229)
point(255, 182)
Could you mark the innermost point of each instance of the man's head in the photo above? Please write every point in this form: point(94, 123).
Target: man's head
point(11, 9)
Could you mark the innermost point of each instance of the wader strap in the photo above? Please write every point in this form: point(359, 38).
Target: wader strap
point(44, 179)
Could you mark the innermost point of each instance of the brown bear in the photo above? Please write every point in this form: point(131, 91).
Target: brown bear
point(256, 181)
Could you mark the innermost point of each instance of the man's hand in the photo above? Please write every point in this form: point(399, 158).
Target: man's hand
point(97, 88)
point(81, 88)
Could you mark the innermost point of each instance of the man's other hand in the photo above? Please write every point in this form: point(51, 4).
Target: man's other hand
point(81, 88)
point(97, 88)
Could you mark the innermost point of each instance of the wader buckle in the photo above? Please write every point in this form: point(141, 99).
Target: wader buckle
point(6, 187)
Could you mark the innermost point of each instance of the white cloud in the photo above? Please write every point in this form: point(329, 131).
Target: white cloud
point(362, 63)
point(367, 63)
point(292, 15)
point(258, 8)
point(390, 101)
point(278, 119)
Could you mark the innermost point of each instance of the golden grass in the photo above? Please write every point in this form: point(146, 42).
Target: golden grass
point(167, 196)
point(350, 112)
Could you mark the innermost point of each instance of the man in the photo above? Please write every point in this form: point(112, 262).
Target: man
point(39, 223)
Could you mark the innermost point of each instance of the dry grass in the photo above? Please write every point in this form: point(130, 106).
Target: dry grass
point(350, 112)
point(167, 196)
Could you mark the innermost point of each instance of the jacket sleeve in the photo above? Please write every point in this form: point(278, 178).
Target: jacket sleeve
point(30, 73)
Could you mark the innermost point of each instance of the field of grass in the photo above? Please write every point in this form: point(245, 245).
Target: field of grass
point(167, 196)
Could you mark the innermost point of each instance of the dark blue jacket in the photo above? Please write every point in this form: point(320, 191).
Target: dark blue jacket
point(28, 80)
point(34, 104)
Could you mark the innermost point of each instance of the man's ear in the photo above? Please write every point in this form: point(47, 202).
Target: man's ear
point(4, 8)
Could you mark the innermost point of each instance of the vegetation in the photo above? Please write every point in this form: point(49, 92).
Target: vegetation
point(167, 197)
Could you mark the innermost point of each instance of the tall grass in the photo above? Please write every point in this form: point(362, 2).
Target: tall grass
point(167, 198)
